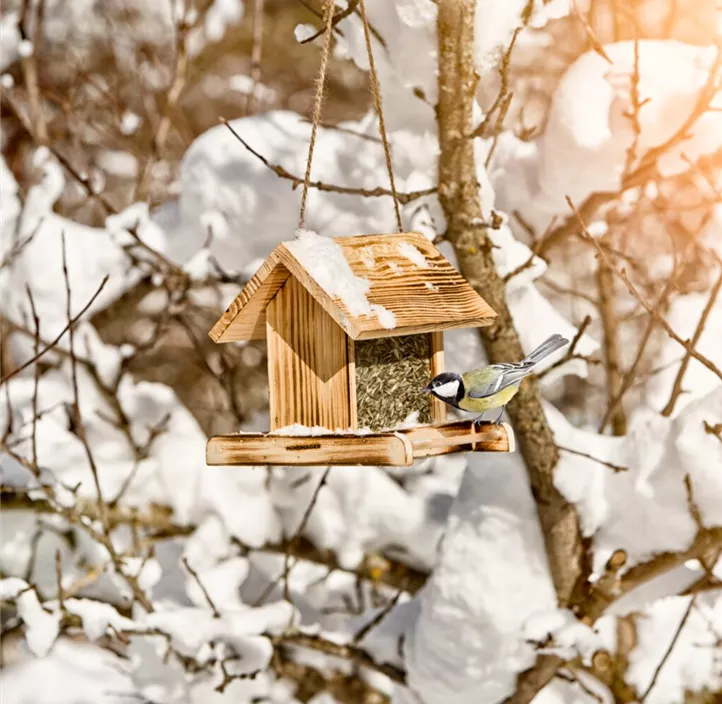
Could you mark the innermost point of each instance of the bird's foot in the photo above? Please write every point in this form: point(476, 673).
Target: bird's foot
point(498, 418)
point(477, 422)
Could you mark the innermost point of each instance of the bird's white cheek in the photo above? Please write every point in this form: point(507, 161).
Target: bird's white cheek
point(448, 390)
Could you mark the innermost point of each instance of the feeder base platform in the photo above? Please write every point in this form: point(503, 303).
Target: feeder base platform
point(393, 448)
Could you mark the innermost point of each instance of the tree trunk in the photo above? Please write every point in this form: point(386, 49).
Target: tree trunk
point(467, 231)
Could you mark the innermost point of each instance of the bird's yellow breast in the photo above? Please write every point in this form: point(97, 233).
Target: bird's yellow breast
point(499, 399)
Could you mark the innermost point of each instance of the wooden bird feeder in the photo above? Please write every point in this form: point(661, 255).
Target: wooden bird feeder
point(354, 329)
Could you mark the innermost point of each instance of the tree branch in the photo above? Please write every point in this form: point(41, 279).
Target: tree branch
point(651, 310)
point(277, 169)
point(647, 166)
point(340, 650)
point(49, 346)
point(607, 309)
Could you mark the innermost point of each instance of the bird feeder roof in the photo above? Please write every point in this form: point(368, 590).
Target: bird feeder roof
point(371, 285)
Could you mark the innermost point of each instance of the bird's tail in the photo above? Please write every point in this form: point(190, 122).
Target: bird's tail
point(548, 347)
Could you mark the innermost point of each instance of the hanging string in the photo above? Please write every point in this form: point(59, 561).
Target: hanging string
point(374, 83)
point(318, 102)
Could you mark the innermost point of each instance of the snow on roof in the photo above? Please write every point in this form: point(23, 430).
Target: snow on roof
point(371, 285)
point(413, 254)
point(324, 261)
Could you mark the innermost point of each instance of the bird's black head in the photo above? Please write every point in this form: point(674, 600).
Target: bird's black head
point(448, 386)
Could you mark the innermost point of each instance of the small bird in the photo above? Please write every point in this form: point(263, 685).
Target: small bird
point(490, 387)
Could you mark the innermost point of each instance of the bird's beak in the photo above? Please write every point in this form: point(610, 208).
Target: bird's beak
point(426, 389)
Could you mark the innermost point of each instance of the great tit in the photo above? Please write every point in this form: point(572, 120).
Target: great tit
point(493, 386)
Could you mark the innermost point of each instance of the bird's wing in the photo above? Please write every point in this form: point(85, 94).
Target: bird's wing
point(502, 375)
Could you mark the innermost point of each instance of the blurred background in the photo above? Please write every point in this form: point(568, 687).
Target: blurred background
point(115, 163)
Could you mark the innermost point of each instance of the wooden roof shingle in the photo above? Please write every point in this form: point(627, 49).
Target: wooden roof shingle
point(400, 284)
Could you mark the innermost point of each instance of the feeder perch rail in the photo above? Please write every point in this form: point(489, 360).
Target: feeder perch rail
point(396, 449)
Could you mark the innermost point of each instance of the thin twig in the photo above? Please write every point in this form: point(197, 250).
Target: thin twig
point(404, 198)
point(564, 290)
point(636, 106)
point(668, 328)
point(346, 130)
point(204, 591)
point(9, 257)
point(83, 180)
point(677, 385)
point(180, 68)
point(109, 394)
point(715, 430)
point(696, 514)
point(343, 14)
point(256, 54)
point(59, 578)
point(36, 377)
point(668, 652)
point(502, 95)
point(629, 376)
point(591, 34)
point(647, 164)
point(503, 110)
point(652, 311)
point(706, 95)
point(571, 350)
point(78, 425)
point(376, 620)
point(525, 264)
point(345, 651)
point(71, 323)
point(614, 467)
point(29, 66)
point(299, 531)
point(572, 677)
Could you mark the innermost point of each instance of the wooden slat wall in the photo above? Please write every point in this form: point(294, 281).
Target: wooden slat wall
point(245, 318)
point(307, 355)
point(352, 396)
point(438, 407)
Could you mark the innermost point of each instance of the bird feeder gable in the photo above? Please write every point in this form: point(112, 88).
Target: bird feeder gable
point(385, 286)
point(354, 329)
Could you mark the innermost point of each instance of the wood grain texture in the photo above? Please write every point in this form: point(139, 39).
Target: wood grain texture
point(245, 318)
point(438, 407)
point(307, 354)
point(352, 394)
point(391, 449)
point(386, 450)
point(462, 436)
point(408, 276)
